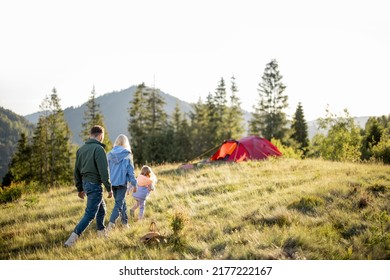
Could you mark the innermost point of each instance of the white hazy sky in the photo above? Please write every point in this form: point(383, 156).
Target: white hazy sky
point(329, 52)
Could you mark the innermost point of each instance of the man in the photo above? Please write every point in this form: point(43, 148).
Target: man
point(91, 171)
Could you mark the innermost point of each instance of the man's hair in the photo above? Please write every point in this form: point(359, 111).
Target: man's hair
point(96, 130)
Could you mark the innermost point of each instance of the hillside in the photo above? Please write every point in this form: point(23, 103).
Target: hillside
point(274, 209)
point(11, 126)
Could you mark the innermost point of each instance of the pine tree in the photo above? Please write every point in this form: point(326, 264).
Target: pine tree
point(184, 138)
point(234, 118)
point(220, 100)
point(211, 124)
point(200, 131)
point(148, 125)
point(51, 148)
point(300, 130)
point(137, 122)
point(219, 112)
point(93, 116)
point(40, 151)
point(20, 168)
point(156, 125)
point(268, 119)
point(180, 137)
point(156, 116)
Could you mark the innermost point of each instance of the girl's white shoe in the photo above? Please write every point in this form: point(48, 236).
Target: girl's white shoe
point(71, 240)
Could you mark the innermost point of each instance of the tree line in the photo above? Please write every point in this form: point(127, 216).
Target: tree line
point(47, 158)
point(11, 126)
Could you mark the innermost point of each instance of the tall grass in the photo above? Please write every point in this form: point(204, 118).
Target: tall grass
point(273, 209)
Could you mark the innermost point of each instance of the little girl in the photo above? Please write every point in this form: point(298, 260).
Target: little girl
point(146, 182)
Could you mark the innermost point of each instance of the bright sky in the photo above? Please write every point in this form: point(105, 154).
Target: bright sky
point(329, 52)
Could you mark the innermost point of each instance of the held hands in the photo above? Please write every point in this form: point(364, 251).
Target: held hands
point(81, 194)
point(131, 189)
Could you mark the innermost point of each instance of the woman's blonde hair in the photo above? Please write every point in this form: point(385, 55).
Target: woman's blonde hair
point(122, 141)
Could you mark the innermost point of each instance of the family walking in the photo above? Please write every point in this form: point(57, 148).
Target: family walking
point(93, 169)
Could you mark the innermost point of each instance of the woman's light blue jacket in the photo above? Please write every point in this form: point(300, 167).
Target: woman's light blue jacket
point(121, 167)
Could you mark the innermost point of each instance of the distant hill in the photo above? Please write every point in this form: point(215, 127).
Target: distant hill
point(11, 126)
point(114, 106)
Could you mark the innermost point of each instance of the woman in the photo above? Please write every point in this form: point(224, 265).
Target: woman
point(121, 168)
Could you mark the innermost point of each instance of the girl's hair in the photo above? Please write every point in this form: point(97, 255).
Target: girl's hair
point(123, 141)
point(147, 171)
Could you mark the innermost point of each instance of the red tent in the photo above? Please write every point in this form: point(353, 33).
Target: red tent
point(250, 147)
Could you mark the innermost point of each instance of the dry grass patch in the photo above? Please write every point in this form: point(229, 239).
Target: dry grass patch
point(273, 209)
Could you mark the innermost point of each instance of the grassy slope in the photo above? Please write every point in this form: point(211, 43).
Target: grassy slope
point(275, 209)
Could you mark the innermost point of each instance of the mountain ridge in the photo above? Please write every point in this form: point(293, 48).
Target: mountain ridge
point(114, 106)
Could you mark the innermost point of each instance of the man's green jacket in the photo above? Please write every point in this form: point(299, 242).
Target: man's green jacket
point(91, 165)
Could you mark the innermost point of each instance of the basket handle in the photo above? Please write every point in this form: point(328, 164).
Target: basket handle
point(153, 227)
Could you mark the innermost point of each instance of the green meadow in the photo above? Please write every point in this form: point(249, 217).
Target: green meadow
point(273, 209)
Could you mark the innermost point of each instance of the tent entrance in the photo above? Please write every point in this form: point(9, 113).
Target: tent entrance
point(225, 151)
